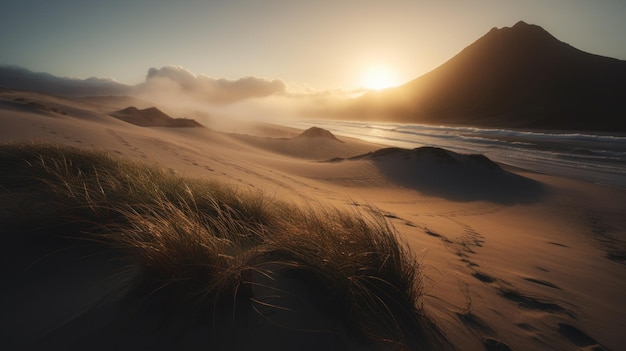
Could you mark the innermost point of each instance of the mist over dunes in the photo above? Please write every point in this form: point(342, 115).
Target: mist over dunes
point(169, 81)
point(520, 76)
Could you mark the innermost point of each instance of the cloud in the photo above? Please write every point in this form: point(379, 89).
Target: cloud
point(187, 93)
point(14, 77)
point(176, 79)
point(182, 77)
point(248, 98)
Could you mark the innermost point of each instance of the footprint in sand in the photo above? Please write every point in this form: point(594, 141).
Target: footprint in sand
point(523, 300)
point(391, 215)
point(486, 334)
point(613, 247)
point(480, 328)
point(579, 338)
point(483, 277)
point(462, 247)
point(542, 282)
point(557, 244)
point(437, 235)
point(492, 344)
point(475, 323)
point(526, 326)
point(526, 301)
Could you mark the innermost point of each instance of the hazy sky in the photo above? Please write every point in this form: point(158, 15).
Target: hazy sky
point(324, 44)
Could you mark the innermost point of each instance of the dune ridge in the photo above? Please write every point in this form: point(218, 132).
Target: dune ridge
point(317, 132)
point(448, 174)
point(153, 117)
point(314, 143)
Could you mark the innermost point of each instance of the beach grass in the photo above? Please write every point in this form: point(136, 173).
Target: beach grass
point(215, 247)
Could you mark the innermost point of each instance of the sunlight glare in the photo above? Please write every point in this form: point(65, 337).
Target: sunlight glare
point(378, 77)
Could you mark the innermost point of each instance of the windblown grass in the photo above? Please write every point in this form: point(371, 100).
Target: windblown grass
point(206, 244)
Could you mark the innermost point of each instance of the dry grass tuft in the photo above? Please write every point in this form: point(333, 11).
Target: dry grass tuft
point(202, 243)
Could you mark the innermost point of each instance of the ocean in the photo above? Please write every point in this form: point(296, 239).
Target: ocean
point(590, 156)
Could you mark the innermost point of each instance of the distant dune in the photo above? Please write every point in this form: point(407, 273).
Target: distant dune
point(153, 117)
point(314, 144)
point(316, 132)
point(512, 77)
point(448, 174)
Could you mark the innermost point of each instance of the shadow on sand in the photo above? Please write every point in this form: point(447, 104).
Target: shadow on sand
point(457, 177)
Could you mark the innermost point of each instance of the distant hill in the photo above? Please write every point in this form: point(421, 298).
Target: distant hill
point(13, 77)
point(520, 76)
point(152, 117)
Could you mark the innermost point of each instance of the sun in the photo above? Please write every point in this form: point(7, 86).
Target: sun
point(378, 77)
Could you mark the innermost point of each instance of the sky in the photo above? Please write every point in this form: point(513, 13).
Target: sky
point(318, 45)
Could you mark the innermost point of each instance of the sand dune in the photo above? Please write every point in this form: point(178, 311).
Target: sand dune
point(152, 117)
point(313, 143)
point(454, 176)
point(512, 259)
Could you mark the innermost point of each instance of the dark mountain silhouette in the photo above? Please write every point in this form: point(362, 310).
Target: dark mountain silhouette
point(14, 77)
point(511, 77)
point(152, 117)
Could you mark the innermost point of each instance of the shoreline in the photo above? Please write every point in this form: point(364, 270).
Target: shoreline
point(553, 157)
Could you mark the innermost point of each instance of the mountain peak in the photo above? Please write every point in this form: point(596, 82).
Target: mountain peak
point(522, 24)
point(521, 32)
point(519, 76)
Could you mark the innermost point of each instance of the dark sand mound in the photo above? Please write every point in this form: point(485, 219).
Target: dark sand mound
point(153, 117)
point(451, 175)
point(313, 144)
point(316, 132)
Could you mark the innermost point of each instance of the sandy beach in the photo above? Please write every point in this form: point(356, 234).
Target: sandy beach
point(512, 259)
